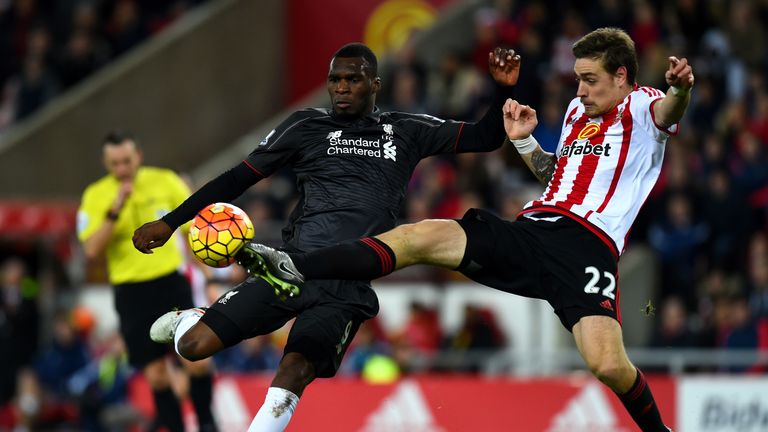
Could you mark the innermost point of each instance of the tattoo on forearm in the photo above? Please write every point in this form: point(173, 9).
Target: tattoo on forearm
point(543, 164)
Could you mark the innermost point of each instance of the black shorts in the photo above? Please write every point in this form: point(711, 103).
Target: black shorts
point(139, 304)
point(328, 314)
point(553, 258)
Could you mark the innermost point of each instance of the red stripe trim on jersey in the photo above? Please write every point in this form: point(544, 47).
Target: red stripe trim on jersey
point(557, 177)
point(618, 297)
point(653, 118)
point(626, 123)
point(588, 165)
point(630, 228)
point(585, 223)
point(386, 262)
point(254, 169)
point(458, 135)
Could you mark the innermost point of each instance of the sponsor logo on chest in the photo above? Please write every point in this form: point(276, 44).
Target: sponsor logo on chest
point(382, 147)
point(582, 144)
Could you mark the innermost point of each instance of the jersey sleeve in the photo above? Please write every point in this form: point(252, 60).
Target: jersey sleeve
point(433, 135)
point(485, 135)
point(279, 146)
point(643, 101)
point(90, 214)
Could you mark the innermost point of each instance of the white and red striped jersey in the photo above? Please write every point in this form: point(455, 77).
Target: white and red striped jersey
point(606, 166)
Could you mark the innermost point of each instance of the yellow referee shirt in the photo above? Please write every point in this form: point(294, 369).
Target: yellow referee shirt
point(156, 191)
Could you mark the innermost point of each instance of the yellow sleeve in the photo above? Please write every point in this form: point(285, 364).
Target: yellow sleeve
point(90, 216)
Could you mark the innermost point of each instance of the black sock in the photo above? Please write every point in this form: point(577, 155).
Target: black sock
point(168, 410)
point(201, 393)
point(365, 259)
point(640, 404)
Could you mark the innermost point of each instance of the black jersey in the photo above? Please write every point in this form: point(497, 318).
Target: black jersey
point(352, 176)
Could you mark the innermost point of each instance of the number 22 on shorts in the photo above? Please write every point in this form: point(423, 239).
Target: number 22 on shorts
point(592, 288)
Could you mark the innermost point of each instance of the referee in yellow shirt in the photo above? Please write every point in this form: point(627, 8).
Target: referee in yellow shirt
point(145, 286)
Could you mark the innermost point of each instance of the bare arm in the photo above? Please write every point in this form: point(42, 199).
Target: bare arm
point(670, 110)
point(541, 164)
point(519, 123)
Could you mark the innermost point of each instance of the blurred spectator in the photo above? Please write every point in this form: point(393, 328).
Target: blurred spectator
point(742, 331)
point(407, 92)
point(81, 57)
point(35, 88)
point(455, 89)
point(645, 29)
point(693, 19)
point(369, 341)
point(419, 339)
point(125, 29)
point(728, 217)
point(704, 107)
point(100, 389)
point(610, 13)
point(486, 21)
point(572, 28)
point(750, 163)
point(478, 336)
point(745, 34)
point(48, 46)
point(251, 355)
point(19, 323)
point(757, 265)
point(673, 330)
point(678, 240)
point(65, 355)
point(758, 121)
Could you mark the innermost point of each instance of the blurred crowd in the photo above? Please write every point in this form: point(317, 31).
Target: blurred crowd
point(48, 47)
point(706, 221)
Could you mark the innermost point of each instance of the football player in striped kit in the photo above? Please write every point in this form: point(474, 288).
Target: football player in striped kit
point(564, 247)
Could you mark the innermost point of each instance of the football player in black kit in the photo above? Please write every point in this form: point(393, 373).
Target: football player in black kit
point(353, 164)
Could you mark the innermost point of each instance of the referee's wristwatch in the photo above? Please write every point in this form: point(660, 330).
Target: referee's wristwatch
point(112, 215)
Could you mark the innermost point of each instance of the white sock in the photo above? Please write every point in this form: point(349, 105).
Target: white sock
point(276, 412)
point(187, 319)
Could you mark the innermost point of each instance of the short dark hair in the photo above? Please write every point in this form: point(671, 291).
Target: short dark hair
point(117, 136)
point(613, 47)
point(356, 49)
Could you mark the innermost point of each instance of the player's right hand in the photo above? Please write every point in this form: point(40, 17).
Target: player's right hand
point(151, 235)
point(504, 66)
point(519, 120)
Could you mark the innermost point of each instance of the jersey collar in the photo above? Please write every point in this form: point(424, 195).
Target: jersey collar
point(372, 118)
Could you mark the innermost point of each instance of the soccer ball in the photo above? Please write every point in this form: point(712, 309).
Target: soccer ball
point(218, 232)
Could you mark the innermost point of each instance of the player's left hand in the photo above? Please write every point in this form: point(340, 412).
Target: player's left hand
point(151, 235)
point(504, 66)
point(679, 73)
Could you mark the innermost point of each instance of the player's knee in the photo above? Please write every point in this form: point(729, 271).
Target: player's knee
point(420, 237)
point(610, 371)
point(192, 348)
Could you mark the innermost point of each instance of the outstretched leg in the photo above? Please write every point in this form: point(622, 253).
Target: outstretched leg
point(600, 343)
point(439, 242)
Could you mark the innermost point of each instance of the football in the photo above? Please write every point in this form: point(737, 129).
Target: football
point(218, 231)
